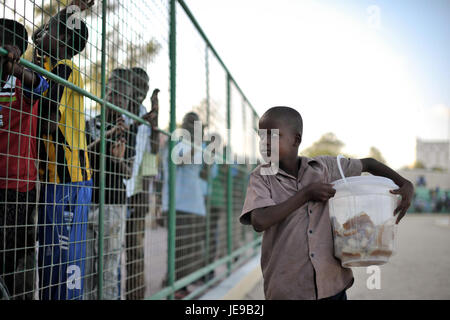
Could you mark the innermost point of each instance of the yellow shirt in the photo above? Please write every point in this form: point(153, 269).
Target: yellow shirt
point(70, 139)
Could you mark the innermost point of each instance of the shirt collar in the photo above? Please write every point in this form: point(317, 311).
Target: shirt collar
point(304, 161)
point(10, 82)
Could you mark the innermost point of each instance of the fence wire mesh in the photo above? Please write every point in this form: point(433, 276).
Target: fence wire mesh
point(89, 209)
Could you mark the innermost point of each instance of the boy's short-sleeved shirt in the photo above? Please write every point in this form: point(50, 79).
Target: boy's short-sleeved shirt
point(64, 153)
point(297, 257)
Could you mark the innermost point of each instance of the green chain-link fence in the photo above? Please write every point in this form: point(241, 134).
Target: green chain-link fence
point(92, 203)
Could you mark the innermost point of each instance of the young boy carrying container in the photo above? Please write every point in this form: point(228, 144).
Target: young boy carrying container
point(64, 164)
point(20, 92)
point(291, 207)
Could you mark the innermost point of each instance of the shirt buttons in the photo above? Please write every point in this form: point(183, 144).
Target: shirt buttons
point(310, 211)
point(312, 255)
point(310, 231)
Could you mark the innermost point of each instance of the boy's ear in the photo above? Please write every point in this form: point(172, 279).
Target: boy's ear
point(298, 139)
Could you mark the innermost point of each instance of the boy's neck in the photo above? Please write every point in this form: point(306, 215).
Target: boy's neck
point(53, 60)
point(291, 165)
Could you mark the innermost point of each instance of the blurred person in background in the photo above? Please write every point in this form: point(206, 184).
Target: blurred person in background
point(189, 204)
point(143, 147)
point(216, 200)
point(117, 169)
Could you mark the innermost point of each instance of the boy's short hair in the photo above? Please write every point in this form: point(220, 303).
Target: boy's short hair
point(120, 78)
point(120, 73)
point(140, 74)
point(13, 33)
point(190, 117)
point(287, 115)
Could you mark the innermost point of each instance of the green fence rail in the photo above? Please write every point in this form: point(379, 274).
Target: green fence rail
point(159, 247)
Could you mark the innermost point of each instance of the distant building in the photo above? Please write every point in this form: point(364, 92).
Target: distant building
point(433, 153)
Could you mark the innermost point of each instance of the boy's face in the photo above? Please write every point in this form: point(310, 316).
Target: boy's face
point(118, 94)
point(270, 131)
point(47, 41)
point(141, 88)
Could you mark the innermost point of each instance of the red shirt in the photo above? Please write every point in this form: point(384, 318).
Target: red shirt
point(18, 123)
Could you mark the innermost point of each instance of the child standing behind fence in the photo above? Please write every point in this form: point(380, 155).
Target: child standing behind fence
point(19, 97)
point(189, 203)
point(143, 149)
point(119, 91)
point(64, 167)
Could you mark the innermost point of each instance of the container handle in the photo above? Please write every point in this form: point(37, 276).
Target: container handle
point(353, 210)
point(339, 157)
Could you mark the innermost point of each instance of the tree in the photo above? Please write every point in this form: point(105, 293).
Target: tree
point(376, 154)
point(418, 165)
point(327, 145)
point(137, 54)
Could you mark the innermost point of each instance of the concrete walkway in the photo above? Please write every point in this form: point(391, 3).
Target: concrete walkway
point(419, 270)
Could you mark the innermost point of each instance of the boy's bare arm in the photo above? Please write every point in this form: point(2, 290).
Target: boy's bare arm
point(12, 66)
point(264, 218)
point(406, 188)
point(93, 145)
point(119, 128)
point(125, 168)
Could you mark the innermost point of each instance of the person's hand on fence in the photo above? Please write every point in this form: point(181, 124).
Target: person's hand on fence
point(152, 116)
point(120, 127)
point(82, 4)
point(11, 60)
point(154, 99)
point(118, 148)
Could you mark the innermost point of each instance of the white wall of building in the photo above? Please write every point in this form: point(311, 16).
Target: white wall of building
point(433, 154)
point(433, 179)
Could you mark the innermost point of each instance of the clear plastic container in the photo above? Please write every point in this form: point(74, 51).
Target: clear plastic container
point(362, 216)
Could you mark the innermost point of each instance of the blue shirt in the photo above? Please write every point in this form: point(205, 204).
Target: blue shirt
point(190, 188)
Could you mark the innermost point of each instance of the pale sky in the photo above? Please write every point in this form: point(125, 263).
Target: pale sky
point(373, 72)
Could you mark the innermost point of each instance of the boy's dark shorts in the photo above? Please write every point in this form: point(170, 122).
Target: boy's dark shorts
point(340, 296)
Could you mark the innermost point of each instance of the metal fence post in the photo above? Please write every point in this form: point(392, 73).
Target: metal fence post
point(229, 179)
point(209, 177)
point(172, 168)
point(102, 157)
point(255, 150)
